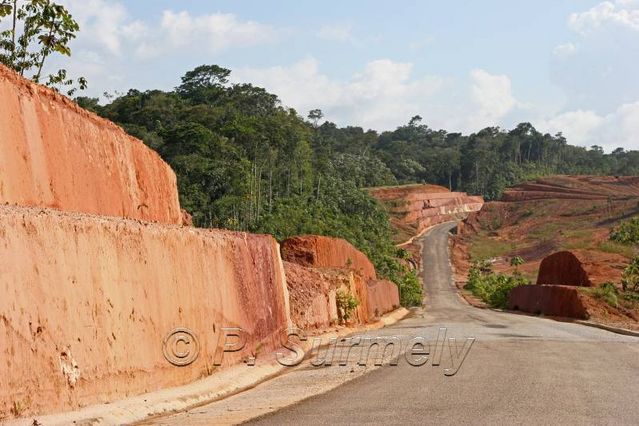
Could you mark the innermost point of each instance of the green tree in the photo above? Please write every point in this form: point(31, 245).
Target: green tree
point(630, 277)
point(204, 83)
point(38, 29)
point(245, 162)
point(315, 115)
point(517, 261)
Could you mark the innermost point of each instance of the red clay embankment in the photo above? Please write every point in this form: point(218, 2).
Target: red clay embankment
point(55, 154)
point(575, 188)
point(414, 208)
point(317, 267)
point(549, 300)
point(88, 300)
point(579, 268)
point(383, 297)
point(326, 252)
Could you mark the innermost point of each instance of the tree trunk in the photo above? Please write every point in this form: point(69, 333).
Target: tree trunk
point(13, 30)
point(270, 190)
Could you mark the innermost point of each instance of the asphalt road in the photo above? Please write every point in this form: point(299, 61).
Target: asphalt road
point(519, 370)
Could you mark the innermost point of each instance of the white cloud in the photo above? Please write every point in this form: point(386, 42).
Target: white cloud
point(622, 127)
point(336, 32)
point(565, 49)
point(622, 13)
point(599, 78)
point(111, 43)
point(619, 128)
point(597, 70)
point(107, 25)
point(575, 125)
point(101, 22)
point(492, 95)
point(214, 32)
point(385, 94)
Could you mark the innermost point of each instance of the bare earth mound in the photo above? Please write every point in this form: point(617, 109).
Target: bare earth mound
point(572, 215)
point(318, 267)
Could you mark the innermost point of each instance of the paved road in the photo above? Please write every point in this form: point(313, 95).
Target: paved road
point(520, 370)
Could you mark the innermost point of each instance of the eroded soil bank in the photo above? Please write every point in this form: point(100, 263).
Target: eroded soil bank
point(97, 270)
point(560, 227)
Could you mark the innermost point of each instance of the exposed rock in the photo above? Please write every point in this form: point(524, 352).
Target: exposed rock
point(109, 290)
point(383, 297)
point(55, 154)
point(325, 252)
point(413, 208)
point(69, 367)
point(580, 268)
point(575, 187)
point(550, 300)
point(312, 295)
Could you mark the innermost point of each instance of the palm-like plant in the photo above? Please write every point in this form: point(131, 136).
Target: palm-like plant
point(516, 261)
point(630, 277)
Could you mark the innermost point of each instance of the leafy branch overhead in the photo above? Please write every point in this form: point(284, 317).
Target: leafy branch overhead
point(38, 29)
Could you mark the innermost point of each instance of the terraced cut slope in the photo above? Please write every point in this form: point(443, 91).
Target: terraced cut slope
point(99, 276)
point(55, 154)
point(414, 208)
point(560, 213)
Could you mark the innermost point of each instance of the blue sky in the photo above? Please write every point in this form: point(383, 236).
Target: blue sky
point(567, 66)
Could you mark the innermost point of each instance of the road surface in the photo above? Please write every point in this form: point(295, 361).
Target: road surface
point(520, 370)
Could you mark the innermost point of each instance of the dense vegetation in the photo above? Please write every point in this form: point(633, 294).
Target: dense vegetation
point(630, 277)
point(627, 232)
point(490, 287)
point(245, 162)
point(492, 159)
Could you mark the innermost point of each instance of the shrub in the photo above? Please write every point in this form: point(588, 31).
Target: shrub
point(630, 277)
point(607, 292)
point(490, 287)
point(631, 296)
point(410, 289)
point(346, 304)
point(390, 267)
point(627, 232)
point(516, 261)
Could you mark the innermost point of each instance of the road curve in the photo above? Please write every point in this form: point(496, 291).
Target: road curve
point(520, 370)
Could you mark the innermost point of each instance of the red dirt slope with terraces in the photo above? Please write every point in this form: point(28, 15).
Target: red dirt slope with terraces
point(97, 270)
point(568, 214)
point(414, 208)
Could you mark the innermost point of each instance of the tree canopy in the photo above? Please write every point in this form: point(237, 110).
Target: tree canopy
point(246, 162)
point(36, 30)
